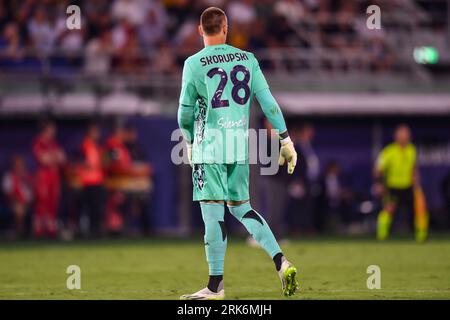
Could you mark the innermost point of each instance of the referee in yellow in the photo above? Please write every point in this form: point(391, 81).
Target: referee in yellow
point(396, 174)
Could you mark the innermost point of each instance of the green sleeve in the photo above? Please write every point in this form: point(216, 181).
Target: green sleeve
point(188, 95)
point(271, 110)
point(186, 122)
point(259, 81)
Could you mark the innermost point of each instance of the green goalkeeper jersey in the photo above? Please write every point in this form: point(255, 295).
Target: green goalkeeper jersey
point(220, 82)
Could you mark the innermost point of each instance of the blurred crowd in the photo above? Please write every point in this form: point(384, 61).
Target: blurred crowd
point(155, 36)
point(104, 188)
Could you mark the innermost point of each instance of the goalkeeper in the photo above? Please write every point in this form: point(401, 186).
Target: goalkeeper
point(217, 88)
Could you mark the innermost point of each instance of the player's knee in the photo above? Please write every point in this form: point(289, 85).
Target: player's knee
point(243, 211)
point(212, 202)
point(236, 203)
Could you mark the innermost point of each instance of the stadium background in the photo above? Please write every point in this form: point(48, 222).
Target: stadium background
point(329, 72)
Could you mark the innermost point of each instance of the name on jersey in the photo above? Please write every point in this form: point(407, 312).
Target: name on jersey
point(228, 124)
point(220, 58)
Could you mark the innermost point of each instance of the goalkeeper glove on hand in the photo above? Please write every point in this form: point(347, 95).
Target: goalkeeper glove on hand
point(189, 153)
point(288, 153)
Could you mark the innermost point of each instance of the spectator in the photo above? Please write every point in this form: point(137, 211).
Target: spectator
point(153, 30)
point(133, 11)
point(49, 157)
point(99, 54)
point(10, 43)
point(18, 188)
point(42, 33)
point(121, 34)
point(166, 60)
point(241, 12)
point(98, 16)
point(292, 10)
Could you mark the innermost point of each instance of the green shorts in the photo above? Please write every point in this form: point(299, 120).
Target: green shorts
point(227, 182)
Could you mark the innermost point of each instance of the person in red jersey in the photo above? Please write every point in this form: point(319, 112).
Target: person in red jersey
point(49, 158)
point(92, 178)
point(118, 162)
point(120, 166)
point(118, 157)
point(17, 185)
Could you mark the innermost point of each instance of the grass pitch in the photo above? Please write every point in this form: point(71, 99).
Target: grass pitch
point(165, 269)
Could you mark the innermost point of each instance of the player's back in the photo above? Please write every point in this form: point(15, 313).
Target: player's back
point(221, 79)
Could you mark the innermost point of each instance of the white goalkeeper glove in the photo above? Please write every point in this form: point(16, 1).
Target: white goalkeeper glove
point(288, 153)
point(189, 153)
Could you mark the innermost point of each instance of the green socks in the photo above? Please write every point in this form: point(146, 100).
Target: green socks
point(215, 236)
point(383, 225)
point(257, 227)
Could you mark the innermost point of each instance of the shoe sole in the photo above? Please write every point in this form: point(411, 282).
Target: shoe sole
point(290, 278)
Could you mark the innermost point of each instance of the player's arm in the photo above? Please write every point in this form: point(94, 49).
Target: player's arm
point(380, 165)
point(272, 111)
point(185, 116)
point(379, 168)
point(274, 115)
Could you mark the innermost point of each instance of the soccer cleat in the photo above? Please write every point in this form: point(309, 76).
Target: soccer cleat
point(205, 294)
point(288, 277)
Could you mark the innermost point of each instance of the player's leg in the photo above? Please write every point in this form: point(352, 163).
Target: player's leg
point(210, 190)
point(41, 203)
point(384, 219)
point(215, 242)
point(53, 205)
point(240, 207)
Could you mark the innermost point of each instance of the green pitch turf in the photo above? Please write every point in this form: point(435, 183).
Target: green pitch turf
point(165, 269)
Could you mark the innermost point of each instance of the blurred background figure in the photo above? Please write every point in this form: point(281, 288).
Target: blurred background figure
point(304, 187)
point(17, 185)
point(396, 169)
point(128, 183)
point(117, 162)
point(138, 200)
point(334, 205)
point(92, 179)
point(49, 158)
point(273, 191)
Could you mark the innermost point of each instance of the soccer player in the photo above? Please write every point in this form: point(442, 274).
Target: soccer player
point(396, 169)
point(49, 157)
point(217, 89)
